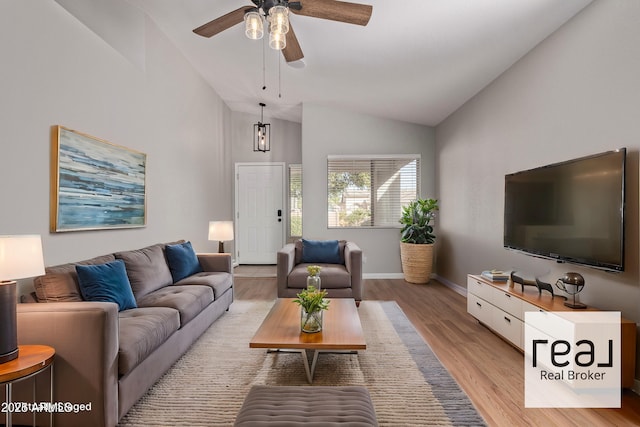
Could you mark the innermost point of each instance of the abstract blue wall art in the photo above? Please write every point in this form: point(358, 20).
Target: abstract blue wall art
point(95, 184)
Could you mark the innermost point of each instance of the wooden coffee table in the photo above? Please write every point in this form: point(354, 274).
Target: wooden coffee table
point(341, 330)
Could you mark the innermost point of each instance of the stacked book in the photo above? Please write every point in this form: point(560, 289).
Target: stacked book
point(496, 275)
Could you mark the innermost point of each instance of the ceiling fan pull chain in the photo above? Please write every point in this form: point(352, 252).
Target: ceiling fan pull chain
point(264, 82)
point(279, 77)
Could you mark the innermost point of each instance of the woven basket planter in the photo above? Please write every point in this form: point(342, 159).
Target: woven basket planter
point(417, 262)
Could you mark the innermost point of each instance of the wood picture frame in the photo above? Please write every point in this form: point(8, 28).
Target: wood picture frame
point(95, 184)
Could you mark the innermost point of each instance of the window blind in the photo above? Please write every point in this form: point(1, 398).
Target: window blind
point(370, 191)
point(295, 201)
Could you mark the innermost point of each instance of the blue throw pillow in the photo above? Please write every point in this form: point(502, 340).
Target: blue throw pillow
point(107, 283)
point(321, 251)
point(183, 261)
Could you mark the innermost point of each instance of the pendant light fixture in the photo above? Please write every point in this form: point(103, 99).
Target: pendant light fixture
point(261, 133)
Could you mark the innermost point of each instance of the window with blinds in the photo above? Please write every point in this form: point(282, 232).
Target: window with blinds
point(295, 201)
point(370, 191)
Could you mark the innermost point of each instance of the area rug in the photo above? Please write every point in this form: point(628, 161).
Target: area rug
point(206, 387)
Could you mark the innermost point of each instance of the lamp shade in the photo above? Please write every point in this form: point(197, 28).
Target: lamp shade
point(221, 230)
point(20, 257)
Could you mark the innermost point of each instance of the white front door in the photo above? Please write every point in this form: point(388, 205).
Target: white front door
point(260, 214)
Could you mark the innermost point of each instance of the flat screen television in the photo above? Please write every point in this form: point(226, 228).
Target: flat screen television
point(571, 211)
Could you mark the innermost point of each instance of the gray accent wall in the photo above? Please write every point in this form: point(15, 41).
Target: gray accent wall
point(327, 131)
point(575, 94)
point(286, 146)
point(56, 71)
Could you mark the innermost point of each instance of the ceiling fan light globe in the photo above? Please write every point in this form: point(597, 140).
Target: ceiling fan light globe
point(254, 28)
point(277, 41)
point(279, 19)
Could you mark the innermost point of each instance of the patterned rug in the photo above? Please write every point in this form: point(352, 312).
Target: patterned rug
point(206, 387)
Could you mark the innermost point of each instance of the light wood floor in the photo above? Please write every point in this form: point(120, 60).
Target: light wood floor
point(488, 369)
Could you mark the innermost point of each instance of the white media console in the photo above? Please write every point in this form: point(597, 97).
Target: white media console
point(501, 308)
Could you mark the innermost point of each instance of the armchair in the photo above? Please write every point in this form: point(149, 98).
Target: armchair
point(343, 280)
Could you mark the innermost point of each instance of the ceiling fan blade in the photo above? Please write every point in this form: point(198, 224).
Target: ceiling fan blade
point(222, 23)
point(292, 52)
point(351, 13)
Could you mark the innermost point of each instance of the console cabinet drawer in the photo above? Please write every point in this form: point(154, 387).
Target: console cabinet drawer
point(527, 306)
point(506, 302)
point(478, 288)
point(554, 325)
point(480, 309)
point(509, 326)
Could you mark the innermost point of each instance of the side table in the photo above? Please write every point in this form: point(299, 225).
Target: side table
point(31, 360)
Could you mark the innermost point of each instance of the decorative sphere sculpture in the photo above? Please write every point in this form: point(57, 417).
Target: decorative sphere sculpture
point(572, 283)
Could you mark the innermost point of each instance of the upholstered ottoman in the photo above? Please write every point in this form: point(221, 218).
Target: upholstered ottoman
point(324, 406)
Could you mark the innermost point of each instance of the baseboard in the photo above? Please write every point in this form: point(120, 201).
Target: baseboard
point(449, 284)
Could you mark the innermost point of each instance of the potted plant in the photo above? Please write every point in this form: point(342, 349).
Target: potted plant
point(417, 239)
point(312, 302)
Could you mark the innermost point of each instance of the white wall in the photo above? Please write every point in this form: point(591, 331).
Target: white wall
point(56, 71)
point(328, 131)
point(575, 94)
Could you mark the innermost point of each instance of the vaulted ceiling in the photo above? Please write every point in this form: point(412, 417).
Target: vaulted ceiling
point(416, 61)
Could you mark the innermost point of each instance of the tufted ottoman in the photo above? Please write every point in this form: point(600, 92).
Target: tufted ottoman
point(324, 406)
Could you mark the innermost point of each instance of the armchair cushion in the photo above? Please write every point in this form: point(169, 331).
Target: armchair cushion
point(332, 276)
point(321, 251)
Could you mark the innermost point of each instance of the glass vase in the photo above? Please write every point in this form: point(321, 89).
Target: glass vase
point(313, 281)
point(310, 322)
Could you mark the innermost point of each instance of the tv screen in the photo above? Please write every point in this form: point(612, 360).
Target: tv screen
point(571, 211)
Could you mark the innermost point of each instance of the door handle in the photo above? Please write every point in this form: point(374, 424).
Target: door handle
point(279, 212)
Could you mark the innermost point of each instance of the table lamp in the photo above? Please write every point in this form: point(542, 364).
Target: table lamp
point(20, 257)
point(221, 231)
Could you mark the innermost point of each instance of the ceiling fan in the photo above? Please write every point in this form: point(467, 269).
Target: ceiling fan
point(276, 13)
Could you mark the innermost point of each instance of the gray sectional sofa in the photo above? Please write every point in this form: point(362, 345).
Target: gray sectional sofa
point(110, 358)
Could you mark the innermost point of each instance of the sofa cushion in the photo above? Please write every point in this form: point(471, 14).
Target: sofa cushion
point(220, 282)
point(60, 283)
point(106, 283)
point(141, 331)
point(188, 300)
point(147, 269)
point(183, 261)
point(332, 276)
